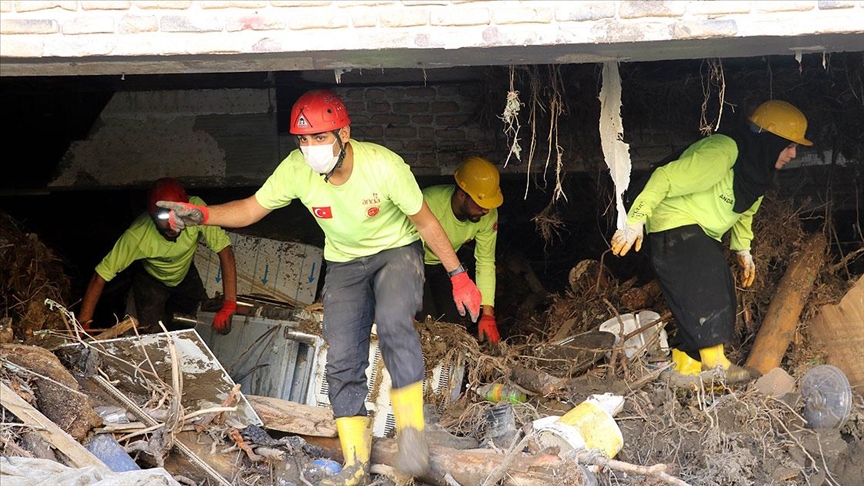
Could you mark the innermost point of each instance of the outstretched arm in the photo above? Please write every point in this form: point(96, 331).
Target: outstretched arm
point(233, 214)
point(91, 297)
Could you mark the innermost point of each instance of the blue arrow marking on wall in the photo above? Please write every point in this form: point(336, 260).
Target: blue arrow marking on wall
point(219, 274)
point(266, 271)
point(312, 273)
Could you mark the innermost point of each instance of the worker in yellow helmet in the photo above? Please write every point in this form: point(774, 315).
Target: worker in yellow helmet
point(467, 211)
point(686, 206)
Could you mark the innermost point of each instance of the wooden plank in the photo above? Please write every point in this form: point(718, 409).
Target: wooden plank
point(838, 331)
point(117, 330)
point(293, 417)
point(65, 443)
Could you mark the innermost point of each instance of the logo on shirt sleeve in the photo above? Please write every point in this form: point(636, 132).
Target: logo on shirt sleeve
point(323, 213)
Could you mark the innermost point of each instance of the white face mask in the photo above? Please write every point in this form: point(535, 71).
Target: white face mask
point(320, 157)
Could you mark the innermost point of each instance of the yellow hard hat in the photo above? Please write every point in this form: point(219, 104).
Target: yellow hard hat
point(479, 178)
point(782, 119)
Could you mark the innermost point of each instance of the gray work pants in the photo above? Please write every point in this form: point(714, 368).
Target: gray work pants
point(387, 289)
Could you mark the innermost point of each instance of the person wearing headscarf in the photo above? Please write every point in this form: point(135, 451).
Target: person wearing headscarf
point(715, 185)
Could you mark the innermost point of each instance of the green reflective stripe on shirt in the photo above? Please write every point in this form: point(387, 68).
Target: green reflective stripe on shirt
point(363, 216)
point(696, 189)
point(484, 232)
point(166, 261)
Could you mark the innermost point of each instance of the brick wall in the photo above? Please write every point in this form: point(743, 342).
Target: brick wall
point(125, 30)
point(432, 127)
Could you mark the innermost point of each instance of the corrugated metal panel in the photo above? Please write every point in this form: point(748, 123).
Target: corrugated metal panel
point(281, 270)
point(270, 358)
point(267, 357)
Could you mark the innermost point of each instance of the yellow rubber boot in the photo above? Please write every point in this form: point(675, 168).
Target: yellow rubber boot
point(715, 357)
point(684, 364)
point(413, 456)
point(355, 437)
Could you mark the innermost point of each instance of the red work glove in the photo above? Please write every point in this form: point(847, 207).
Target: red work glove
point(184, 214)
point(222, 321)
point(488, 329)
point(466, 295)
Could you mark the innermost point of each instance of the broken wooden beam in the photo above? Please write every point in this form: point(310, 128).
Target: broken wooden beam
point(117, 330)
point(838, 331)
point(293, 417)
point(781, 319)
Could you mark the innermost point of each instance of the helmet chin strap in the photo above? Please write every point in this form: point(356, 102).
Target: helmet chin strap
point(339, 159)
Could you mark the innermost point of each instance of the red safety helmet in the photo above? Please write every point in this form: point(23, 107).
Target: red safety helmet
point(318, 111)
point(165, 189)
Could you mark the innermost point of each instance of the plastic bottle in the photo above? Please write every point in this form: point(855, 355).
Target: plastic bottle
point(322, 468)
point(107, 449)
point(496, 392)
point(501, 425)
point(112, 415)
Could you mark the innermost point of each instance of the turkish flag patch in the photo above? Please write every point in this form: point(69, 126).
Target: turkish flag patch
point(323, 213)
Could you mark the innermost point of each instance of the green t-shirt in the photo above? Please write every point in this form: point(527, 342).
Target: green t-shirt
point(165, 260)
point(697, 189)
point(458, 232)
point(363, 216)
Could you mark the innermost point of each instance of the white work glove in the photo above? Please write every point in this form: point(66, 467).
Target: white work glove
point(624, 239)
point(748, 268)
point(182, 214)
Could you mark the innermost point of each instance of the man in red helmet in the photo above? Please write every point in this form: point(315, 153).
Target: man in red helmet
point(160, 259)
point(370, 207)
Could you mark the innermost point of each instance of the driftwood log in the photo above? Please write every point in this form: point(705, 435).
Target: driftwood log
point(464, 466)
point(781, 320)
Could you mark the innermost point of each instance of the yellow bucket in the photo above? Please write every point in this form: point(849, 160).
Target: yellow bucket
point(587, 426)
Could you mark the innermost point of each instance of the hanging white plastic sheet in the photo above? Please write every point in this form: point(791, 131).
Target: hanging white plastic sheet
point(615, 151)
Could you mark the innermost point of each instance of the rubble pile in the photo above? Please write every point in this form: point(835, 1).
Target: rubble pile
point(564, 399)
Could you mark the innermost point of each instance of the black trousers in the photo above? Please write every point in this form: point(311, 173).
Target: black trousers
point(698, 286)
point(155, 301)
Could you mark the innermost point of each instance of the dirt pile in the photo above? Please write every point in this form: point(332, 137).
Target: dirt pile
point(30, 274)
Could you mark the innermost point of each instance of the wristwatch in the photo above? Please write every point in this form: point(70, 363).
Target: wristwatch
point(456, 271)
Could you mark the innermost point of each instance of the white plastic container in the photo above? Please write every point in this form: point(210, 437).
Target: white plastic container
point(827, 397)
point(633, 322)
